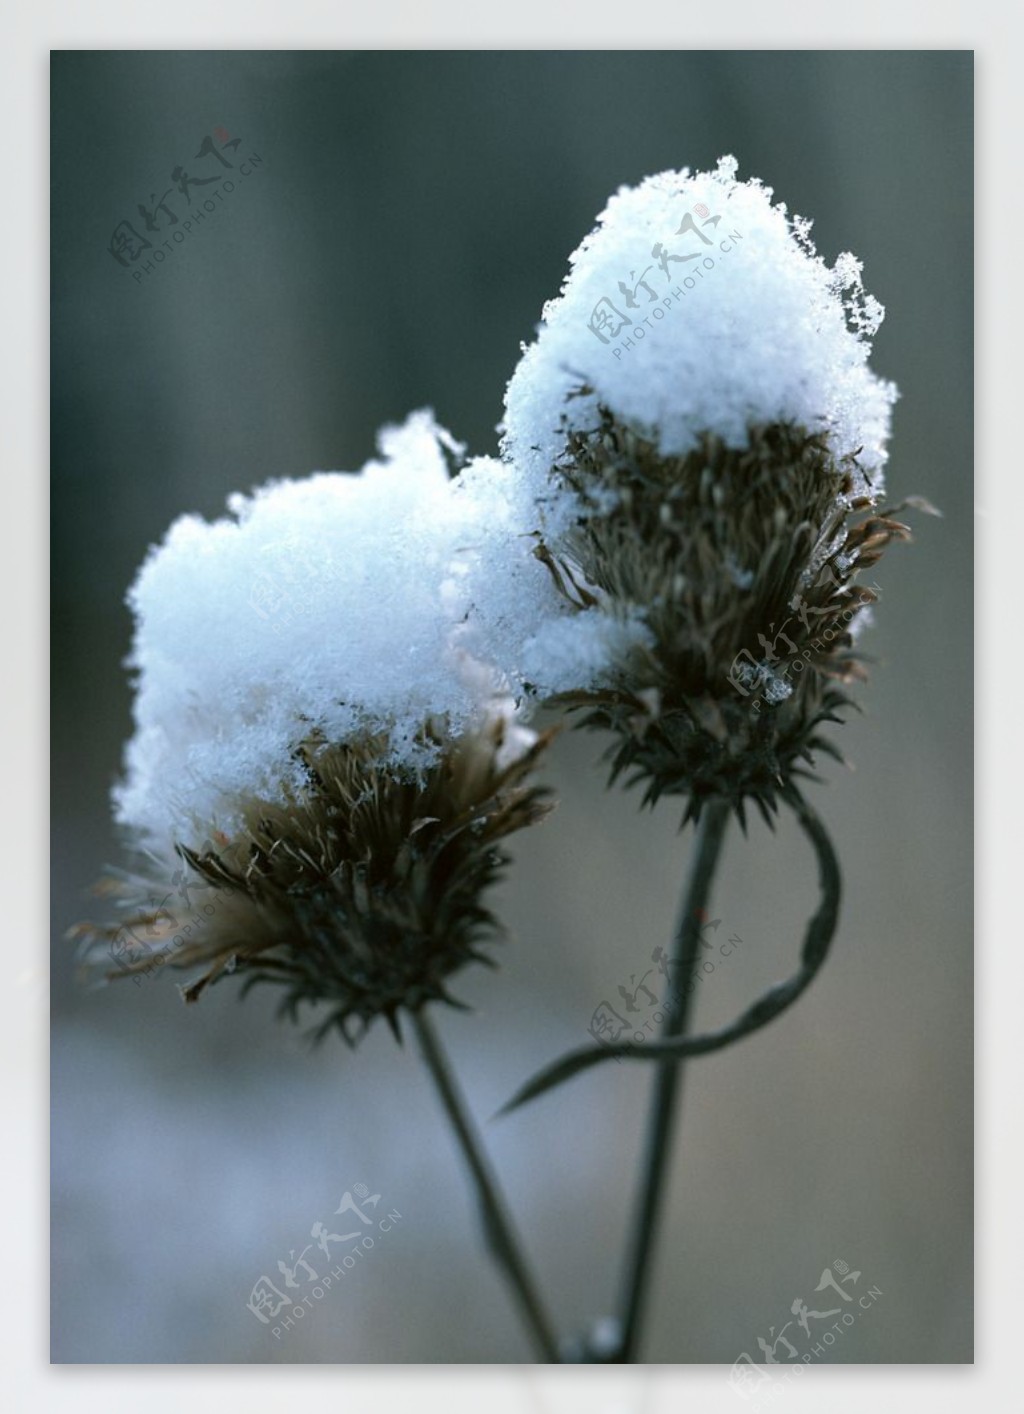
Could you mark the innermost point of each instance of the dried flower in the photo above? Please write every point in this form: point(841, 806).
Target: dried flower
point(361, 890)
point(324, 755)
point(705, 444)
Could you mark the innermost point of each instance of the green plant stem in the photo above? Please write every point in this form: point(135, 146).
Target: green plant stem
point(498, 1228)
point(668, 1080)
point(814, 951)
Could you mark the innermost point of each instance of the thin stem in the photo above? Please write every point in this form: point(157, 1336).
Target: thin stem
point(668, 1080)
point(498, 1228)
point(777, 999)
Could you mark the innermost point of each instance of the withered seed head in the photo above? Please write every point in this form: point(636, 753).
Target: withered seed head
point(363, 891)
point(744, 564)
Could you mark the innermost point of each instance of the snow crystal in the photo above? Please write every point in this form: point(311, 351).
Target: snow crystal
point(697, 305)
point(777, 689)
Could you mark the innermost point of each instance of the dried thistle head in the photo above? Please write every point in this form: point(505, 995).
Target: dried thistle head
point(328, 748)
point(706, 444)
point(362, 890)
point(749, 568)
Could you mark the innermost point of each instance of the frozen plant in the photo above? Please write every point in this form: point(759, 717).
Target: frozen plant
point(329, 751)
point(699, 307)
point(316, 739)
point(333, 684)
point(706, 444)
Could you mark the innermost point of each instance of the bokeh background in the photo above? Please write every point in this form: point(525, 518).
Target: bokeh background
point(411, 214)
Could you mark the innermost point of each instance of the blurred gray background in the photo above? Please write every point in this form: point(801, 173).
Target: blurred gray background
point(411, 214)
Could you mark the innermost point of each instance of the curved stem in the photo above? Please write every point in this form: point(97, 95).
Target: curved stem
point(667, 1083)
point(777, 999)
point(498, 1228)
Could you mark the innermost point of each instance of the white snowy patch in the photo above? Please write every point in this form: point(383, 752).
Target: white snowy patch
point(340, 604)
point(576, 653)
point(697, 305)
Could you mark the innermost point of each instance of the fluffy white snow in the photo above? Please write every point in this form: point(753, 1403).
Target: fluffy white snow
point(698, 305)
point(342, 604)
point(346, 604)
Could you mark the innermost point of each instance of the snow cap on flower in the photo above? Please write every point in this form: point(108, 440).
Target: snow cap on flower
point(698, 307)
point(330, 741)
point(322, 610)
point(705, 443)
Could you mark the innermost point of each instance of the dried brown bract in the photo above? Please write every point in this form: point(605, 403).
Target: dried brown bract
point(363, 891)
point(746, 566)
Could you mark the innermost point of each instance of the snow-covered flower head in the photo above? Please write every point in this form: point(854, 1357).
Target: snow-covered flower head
point(705, 442)
point(328, 732)
point(698, 307)
point(318, 609)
